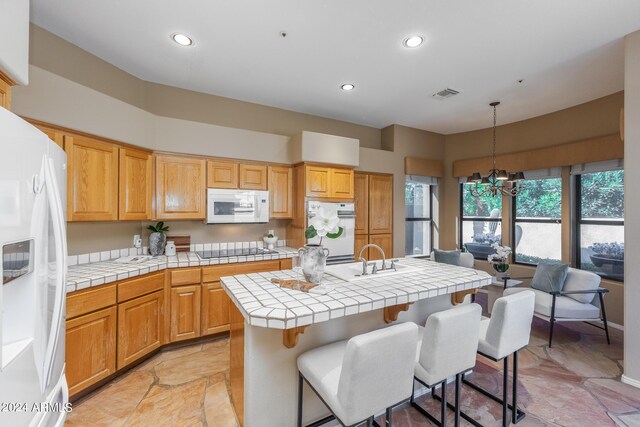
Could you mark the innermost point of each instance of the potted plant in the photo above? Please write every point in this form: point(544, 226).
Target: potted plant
point(500, 259)
point(157, 238)
point(313, 257)
point(608, 258)
point(270, 239)
point(481, 246)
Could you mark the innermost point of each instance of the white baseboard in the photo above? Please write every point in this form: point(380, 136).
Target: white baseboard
point(615, 326)
point(625, 379)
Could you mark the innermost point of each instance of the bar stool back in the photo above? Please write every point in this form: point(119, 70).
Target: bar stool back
point(447, 348)
point(360, 377)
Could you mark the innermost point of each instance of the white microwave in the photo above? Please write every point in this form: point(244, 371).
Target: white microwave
point(237, 206)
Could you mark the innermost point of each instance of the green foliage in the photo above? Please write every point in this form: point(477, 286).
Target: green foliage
point(159, 228)
point(479, 206)
point(530, 259)
point(603, 195)
point(311, 232)
point(540, 198)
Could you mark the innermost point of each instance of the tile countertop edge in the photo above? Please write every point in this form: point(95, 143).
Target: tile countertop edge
point(296, 308)
point(85, 276)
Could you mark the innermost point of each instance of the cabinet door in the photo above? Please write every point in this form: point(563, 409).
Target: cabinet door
point(281, 192)
point(180, 187)
point(222, 174)
point(253, 177)
point(360, 241)
point(140, 327)
point(215, 309)
point(318, 181)
point(90, 349)
point(380, 204)
point(5, 93)
point(92, 179)
point(135, 184)
point(54, 134)
point(185, 312)
point(385, 241)
point(341, 183)
point(361, 196)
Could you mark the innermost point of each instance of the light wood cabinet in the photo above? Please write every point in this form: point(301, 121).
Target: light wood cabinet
point(380, 204)
point(385, 241)
point(253, 177)
point(222, 174)
point(341, 183)
point(53, 134)
point(317, 181)
point(281, 192)
point(180, 187)
point(90, 348)
point(92, 179)
point(185, 312)
point(361, 196)
point(215, 309)
point(5, 91)
point(360, 241)
point(140, 327)
point(136, 185)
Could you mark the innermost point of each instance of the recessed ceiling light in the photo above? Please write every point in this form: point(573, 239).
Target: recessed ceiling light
point(413, 41)
point(181, 39)
point(347, 86)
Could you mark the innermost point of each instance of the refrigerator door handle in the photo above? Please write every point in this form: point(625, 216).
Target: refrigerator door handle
point(57, 216)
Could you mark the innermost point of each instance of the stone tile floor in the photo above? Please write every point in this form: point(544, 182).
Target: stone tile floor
point(574, 383)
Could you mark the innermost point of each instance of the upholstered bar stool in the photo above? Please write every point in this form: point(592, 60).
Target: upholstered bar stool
point(363, 376)
point(447, 348)
point(505, 333)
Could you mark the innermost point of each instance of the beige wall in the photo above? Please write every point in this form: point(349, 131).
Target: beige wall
point(593, 119)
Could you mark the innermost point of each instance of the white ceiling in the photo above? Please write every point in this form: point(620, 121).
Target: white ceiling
point(568, 52)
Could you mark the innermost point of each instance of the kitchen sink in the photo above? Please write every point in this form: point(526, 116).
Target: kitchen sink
point(353, 271)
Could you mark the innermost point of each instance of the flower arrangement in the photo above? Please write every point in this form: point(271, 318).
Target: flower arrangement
point(325, 223)
point(613, 250)
point(500, 258)
point(486, 238)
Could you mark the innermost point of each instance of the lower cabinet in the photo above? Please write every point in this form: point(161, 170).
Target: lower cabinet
point(360, 241)
point(140, 327)
point(215, 309)
point(90, 348)
point(385, 241)
point(185, 312)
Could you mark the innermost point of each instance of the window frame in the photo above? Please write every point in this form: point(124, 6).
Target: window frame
point(514, 221)
point(462, 220)
point(577, 248)
point(421, 219)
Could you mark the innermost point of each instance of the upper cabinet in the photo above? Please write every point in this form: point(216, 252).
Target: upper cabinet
point(380, 204)
point(55, 135)
point(281, 191)
point(180, 187)
point(92, 179)
point(136, 185)
point(361, 196)
point(222, 174)
point(5, 92)
point(328, 182)
point(253, 177)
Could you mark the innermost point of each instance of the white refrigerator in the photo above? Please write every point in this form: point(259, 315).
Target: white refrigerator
point(33, 388)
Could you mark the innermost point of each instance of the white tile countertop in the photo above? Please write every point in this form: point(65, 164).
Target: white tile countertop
point(265, 304)
point(82, 276)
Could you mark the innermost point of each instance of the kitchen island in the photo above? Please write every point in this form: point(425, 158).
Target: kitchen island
point(271, 326)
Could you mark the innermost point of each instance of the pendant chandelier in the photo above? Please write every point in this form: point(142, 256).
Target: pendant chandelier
point(498, 181)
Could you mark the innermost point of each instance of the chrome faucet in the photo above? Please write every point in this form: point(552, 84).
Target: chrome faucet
point(364, 261)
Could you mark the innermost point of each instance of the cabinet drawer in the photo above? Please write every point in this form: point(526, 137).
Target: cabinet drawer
point(140, 286)
point(214, 273)
point(185, 276)
point(83, 302)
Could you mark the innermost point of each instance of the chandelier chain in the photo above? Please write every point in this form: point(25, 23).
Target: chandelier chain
point(494, 136)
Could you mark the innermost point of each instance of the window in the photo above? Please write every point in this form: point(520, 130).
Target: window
point(480, 222)
point(600, 223)
point(418, 219)
point(536, 225)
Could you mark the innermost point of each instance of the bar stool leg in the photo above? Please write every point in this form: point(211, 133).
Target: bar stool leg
point(388, 417)
point(443, 405)
point(514, 412)
point(457, 419)
point(300, 387)
point(505, 394)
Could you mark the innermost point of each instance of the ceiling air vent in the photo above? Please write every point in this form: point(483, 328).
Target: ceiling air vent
point(445, 93)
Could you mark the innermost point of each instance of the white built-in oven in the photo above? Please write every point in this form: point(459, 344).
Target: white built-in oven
point(237, 206)
point(340, 249)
